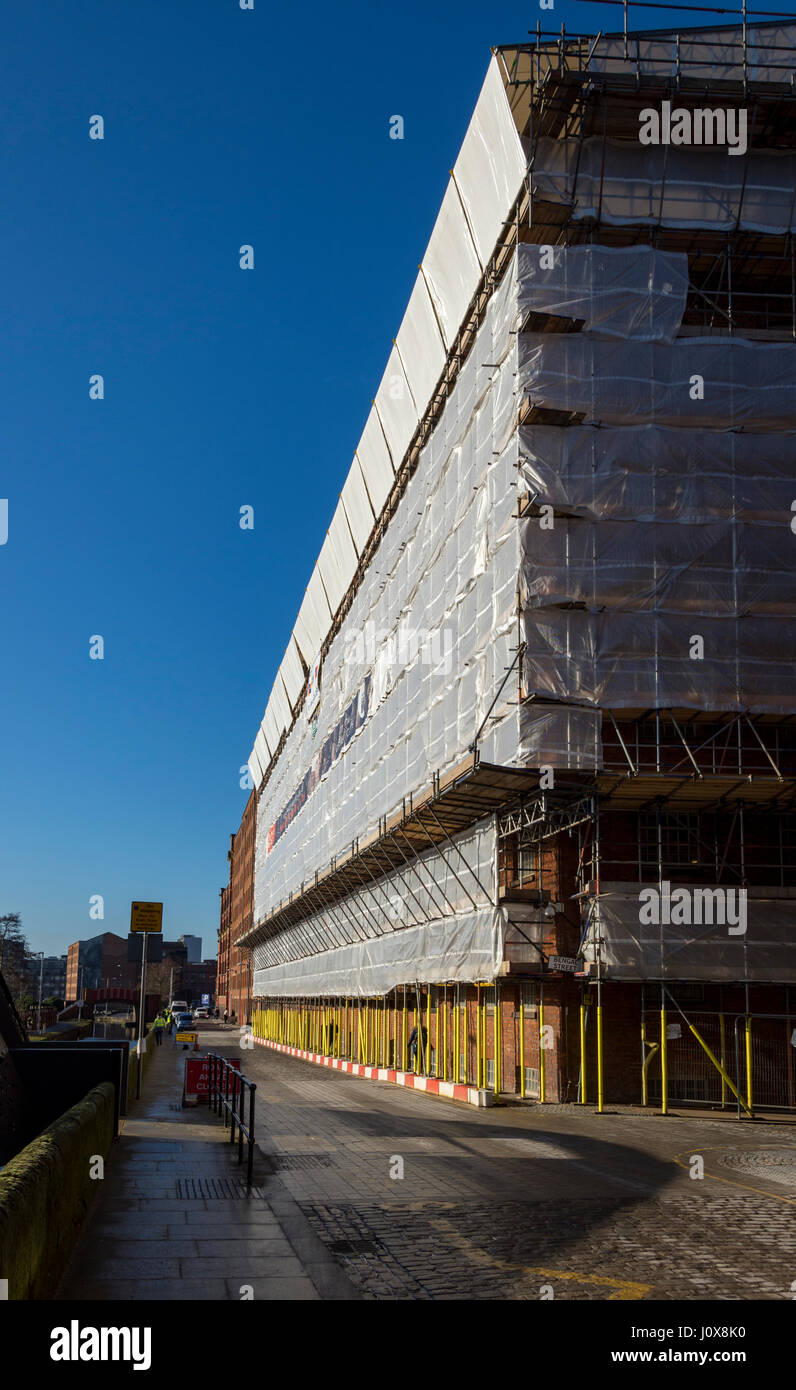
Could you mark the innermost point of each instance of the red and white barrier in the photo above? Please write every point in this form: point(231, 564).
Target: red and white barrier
point(432, 1085)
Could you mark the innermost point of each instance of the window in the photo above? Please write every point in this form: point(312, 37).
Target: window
point(679, 839)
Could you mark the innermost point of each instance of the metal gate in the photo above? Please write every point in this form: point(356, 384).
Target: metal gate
point(741, 1062)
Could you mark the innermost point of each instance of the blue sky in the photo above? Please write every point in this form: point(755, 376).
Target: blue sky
point(120, 777)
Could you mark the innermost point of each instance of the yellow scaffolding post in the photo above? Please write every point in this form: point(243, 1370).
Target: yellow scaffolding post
point(522, 1042)
point(445, 1037)
point(723, 1058)
point(404, 1060)
point(497, 1034)
point(417, 1009)
point(600, 1053)
point(478, 1037)
point(542, 1077)
point(438, 1048)
point(748, 1031)
point(582, 1097)
point(664, 1062)
point(427, 1048)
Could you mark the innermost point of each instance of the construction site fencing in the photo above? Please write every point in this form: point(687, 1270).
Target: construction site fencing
point(482, 1037)
point(740, 1062)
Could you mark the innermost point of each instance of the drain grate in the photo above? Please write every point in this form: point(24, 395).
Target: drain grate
point(214, 1189)
point(301, 1162)
point(356, 1247)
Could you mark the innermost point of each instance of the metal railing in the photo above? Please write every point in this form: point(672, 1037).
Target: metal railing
point(227, 1091)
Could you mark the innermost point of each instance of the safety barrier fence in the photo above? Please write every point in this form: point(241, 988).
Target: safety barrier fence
point(738, 1061)
point(484, 1036)
point(227, 1097)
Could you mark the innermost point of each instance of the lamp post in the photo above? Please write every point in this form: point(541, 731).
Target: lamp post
point(33, 955)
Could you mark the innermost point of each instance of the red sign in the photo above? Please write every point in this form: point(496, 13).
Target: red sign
point(197, 1076)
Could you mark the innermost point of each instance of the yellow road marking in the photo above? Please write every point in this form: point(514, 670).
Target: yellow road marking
point(624, 1289)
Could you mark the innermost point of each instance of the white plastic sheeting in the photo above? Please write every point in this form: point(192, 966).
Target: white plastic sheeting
point(451, 265)
point(280, 705)
point(632, 292)
point(271, 731)
point(396, 408)
point(702, 949)
point(423, 649)
point(621, 182)
point(312, 622)
point(653, 472)
point(420, 345)
point(375, 460)
point(491, 166)
point(358, 509)
point(486, 180)
point(466, 947)
point(638, 660)
point(721, 567)
point(292, 672)
point(255, 759)
point(670, 582)
point(742, 383)
point(337, 561)
point(560, 735)
point(438, 887)
point(709, 53)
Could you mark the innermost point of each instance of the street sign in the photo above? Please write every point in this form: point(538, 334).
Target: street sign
point(566, 963)
point(187, 1038)
point(197, 1077)
point(146, 917)
point(205, 999)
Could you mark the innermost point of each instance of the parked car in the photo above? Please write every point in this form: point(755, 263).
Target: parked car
point(202, 1012)
point(183, 1020)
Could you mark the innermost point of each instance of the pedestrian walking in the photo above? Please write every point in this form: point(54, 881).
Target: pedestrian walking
point(226, 1015)
point(160, 1024)
point(413, 1043)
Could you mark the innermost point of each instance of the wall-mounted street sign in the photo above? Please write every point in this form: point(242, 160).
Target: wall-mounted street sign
point(146, 917)
point(566, 963)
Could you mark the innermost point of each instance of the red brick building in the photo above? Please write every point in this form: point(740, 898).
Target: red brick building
point(100, 960)
point(233, 991)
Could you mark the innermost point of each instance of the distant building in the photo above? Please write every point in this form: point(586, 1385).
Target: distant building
point(97, 961)
point(234, 964)
point(199, 979)
point(193, 945)
point(53, 977)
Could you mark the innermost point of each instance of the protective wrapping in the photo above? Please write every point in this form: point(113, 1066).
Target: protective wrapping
point(714, 52)
point(704, 383)
point(465, 947)
point(423, 650)
point(638, 660)
point(439, 909)
point(621, 182)
point(654, 473)
point(696, 950)
point(632, 292)
point(657, 560)
point(717, 568)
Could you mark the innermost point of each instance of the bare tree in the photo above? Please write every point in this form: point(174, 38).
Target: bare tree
point(13, 954)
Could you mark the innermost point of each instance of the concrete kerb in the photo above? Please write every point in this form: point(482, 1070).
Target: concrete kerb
point(432, 1085)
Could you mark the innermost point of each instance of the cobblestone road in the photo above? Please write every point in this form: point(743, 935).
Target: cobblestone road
point(426, 1199)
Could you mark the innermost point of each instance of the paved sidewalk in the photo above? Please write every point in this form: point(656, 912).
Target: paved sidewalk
point(173, 1220)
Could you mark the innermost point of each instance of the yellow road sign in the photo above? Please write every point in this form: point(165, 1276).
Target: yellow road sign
point(146, 917)
point(186, 1037)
